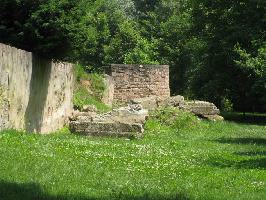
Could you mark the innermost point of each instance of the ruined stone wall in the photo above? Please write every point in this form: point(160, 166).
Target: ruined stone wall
point(35, 94)
point(138, 81)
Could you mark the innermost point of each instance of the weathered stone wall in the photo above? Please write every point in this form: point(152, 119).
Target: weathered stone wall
point(138, 81)
point(108, 94)
point(35, 94)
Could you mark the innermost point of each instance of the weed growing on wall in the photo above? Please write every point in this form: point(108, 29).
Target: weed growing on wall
point(97, 85)
point(1, 95)
point(80, 73)
point(89, 89)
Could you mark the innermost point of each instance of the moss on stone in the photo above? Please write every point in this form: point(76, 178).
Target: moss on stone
point(1, 95)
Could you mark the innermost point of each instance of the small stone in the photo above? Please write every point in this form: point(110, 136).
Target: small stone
point(77, 115)
point(135, 107)
point(213, 117)
point(89, 108)
point(149, 103)
point(174, 101)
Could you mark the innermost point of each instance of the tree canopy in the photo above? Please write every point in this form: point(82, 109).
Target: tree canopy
point(216, 49)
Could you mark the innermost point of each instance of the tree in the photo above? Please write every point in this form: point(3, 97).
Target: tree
point(253, 68)
point(45, 27)
point(221, 25)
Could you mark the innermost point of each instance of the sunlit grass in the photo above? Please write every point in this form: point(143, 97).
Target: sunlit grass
point(203, 160)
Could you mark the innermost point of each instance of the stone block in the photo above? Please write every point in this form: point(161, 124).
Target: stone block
point(174, 101)
point(124, 121)
point(201, 108)
point(149, 103)
point(107, 129)
point(130, 114)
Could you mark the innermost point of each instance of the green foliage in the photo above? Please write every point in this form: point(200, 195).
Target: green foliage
point(45, 27)
point(172, 118)
point(80, 73)
point(128, 46)
point(97, 84)
point(83, 97)
point(88, 94)
point(222, 26)
point(215, 49)
point(255, 65)
point(227, 105)
point(144, 52)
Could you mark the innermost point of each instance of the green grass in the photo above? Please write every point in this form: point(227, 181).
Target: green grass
point(177, 159)
point(82, 96)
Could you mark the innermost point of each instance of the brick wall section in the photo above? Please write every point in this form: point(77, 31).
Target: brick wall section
point(138, 81)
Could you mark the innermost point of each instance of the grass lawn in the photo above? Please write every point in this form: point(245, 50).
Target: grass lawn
point(185, 159)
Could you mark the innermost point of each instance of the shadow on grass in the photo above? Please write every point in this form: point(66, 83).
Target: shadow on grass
point(259, 163)
point(249, 118)
point(251, 153)
point(249, 161)
point(249, 140)
point(33, 191)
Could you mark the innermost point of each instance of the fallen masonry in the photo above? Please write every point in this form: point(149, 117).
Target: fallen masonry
point(129, 121)
point(107, 129)
point(123, 122)
point(153, 102)
point(202, 109)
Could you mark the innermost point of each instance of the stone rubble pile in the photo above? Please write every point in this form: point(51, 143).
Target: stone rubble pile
point(202, 109)
point(129, 121)
point(125, 121)
point(153, 102)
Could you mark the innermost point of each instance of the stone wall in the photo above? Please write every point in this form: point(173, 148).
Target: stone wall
point(35, 94)
point(108, 94)
point(138, 81)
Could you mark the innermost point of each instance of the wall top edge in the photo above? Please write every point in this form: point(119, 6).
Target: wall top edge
point(139, 65)
point(55, 61)
point(2, 46)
